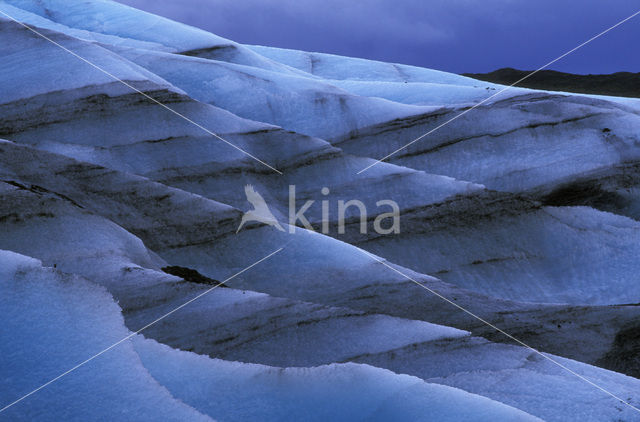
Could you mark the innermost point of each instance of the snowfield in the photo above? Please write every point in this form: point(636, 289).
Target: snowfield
point(524, 213)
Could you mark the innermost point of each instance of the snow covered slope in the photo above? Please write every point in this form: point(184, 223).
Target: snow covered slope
point(524, 212)
point(68, 318)
point(355, 392)
point(52, 322)
point(247, 326)
point(128, 132)
point(300, 103)
point(114, 23)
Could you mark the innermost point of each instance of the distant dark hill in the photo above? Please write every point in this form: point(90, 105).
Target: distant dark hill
point(621, 84)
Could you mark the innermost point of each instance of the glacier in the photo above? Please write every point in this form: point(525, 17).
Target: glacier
point(64, 311)
point(523, 212)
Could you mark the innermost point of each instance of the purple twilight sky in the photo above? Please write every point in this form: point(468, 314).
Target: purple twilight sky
point(452, 35)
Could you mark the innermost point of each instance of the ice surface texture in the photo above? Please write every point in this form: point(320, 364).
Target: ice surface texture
point(524, 211)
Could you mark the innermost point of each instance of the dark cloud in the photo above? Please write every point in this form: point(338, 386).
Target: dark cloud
point(452, 35)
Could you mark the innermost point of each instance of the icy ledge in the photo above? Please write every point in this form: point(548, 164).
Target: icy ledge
point(53, 321)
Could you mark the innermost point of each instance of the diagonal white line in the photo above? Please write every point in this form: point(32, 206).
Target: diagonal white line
point(499, 92)
point(141, 329)
point(555, 362)
point(139, 92)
